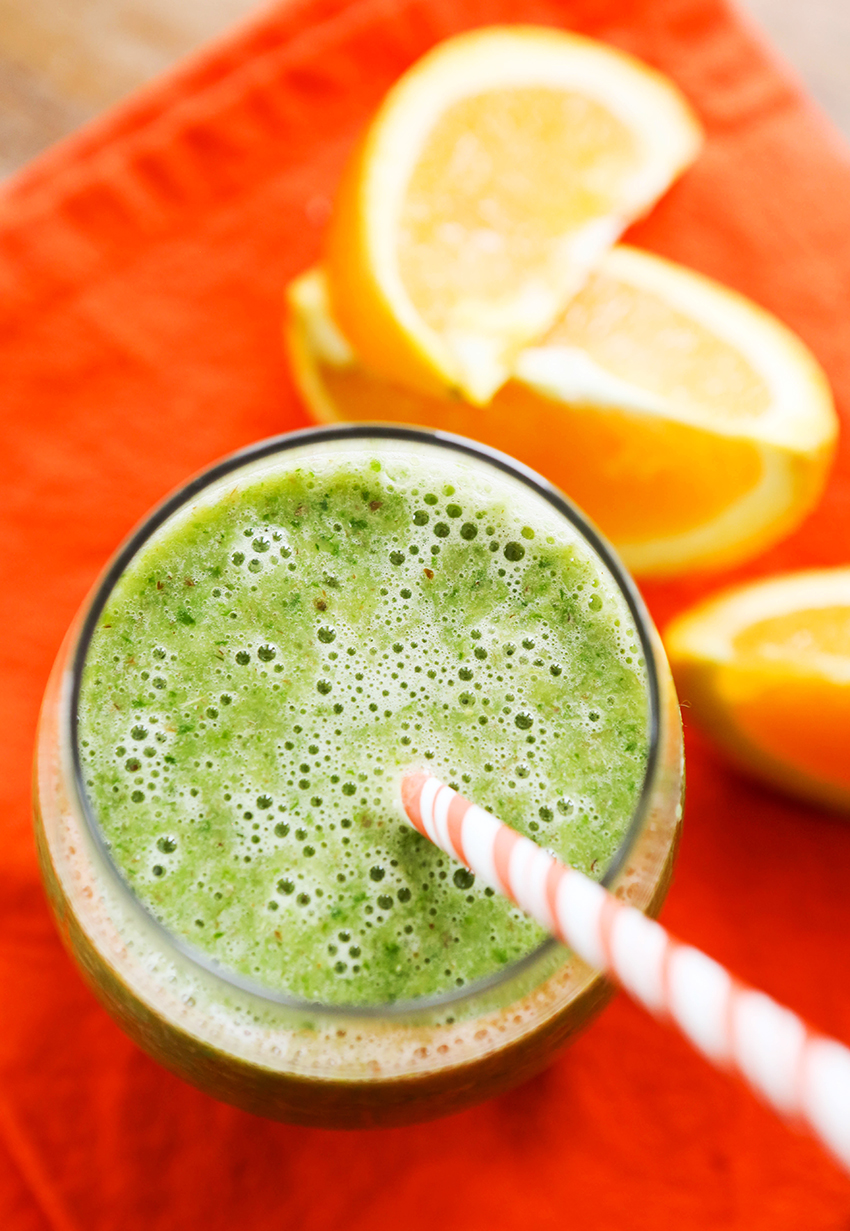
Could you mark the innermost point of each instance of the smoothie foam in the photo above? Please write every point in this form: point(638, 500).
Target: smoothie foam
point(278, 651)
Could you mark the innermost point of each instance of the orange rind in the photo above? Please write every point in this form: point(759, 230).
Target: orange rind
point(496, 172)
point(765, 670)
point(692, 426)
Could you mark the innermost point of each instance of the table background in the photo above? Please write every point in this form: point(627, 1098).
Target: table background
point(63, 61)
point(141, 272)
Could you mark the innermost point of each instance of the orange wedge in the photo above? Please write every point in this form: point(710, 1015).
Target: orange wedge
point(692, 426)
point(493, 176)
point(765, 669)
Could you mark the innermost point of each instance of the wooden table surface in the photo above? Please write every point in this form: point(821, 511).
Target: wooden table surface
point(62, 61)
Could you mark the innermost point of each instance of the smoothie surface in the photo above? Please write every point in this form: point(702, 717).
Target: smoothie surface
point(283, 647)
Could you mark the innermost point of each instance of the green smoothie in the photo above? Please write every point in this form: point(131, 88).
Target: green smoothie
point(279, 651)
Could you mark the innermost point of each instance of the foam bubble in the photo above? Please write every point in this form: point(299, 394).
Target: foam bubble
point(508, 664)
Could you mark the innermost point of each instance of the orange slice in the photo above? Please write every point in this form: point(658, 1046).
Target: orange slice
point(765, 669)
point(692, 426)
point(495, 173)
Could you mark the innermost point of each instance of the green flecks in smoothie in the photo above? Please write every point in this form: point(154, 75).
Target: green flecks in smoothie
point(269, 663)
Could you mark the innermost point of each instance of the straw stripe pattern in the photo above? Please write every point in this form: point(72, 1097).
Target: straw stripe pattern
point(803, 1075)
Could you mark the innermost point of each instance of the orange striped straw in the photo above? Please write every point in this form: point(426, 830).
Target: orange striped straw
point(800, 1073)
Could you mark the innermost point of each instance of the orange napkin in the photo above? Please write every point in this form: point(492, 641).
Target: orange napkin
point(141, 274)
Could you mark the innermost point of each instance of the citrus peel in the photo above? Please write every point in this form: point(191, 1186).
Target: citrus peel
point(691, 425)
point(765, 670)
point(495, 173)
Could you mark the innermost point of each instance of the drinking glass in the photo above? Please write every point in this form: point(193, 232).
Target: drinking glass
point(314, 1064)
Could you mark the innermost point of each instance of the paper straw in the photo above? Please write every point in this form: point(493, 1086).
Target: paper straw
point(802, 1074)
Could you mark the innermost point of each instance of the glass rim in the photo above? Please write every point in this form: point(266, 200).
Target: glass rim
point(181, 496)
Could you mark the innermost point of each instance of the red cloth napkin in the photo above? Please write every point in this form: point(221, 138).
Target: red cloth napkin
point(141, 275)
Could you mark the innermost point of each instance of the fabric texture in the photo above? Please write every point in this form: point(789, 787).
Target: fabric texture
point(142, 266)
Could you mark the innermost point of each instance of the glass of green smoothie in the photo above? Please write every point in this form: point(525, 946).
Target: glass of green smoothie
point(220, 747)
